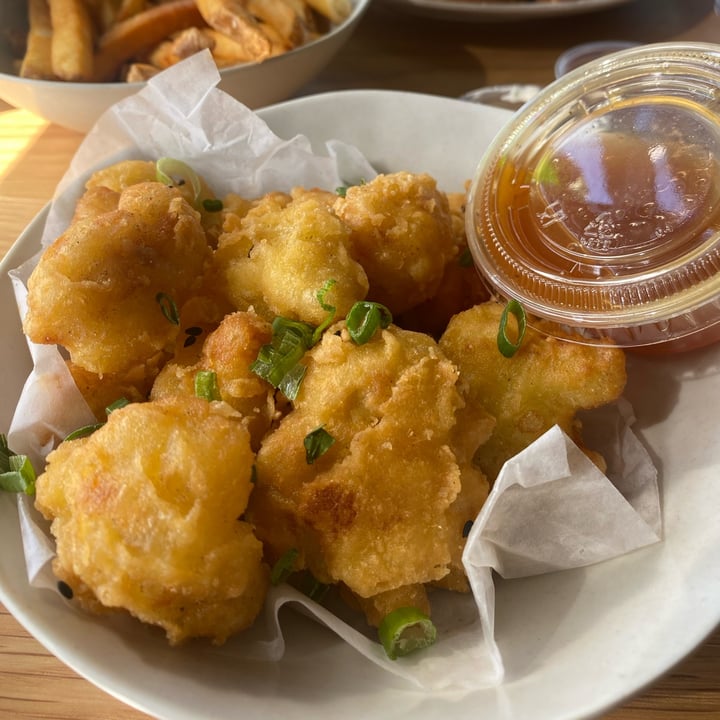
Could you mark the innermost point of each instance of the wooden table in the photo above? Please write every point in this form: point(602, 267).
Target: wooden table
point(390, 50)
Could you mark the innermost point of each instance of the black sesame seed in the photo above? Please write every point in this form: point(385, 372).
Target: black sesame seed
point(65, 590)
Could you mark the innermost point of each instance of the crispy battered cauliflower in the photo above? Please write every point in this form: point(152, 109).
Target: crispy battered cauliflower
point(94, 290)
point(146, 514)
point(282, 252)
point(545, 383)
point(374, 512)
point(228, 352)
point(461, 285)
point(402, 235)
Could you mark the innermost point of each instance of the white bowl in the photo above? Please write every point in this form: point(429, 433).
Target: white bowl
point(574, 643)
point(78, 105)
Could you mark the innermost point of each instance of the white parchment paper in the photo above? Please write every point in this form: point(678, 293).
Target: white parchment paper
point(550, 509)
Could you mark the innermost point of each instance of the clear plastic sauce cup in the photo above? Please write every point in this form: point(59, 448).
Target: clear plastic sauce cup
point(598, 205)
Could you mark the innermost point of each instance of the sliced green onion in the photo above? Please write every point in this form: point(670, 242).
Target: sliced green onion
point(176, 173)
point(284, 567)
point(16, 471)
point(87, 430)
point(206, 385)
point(278, 362)
point(365, 319)
point(329, 309)
point(405, 630)
point(84, 431)
point(317, 443)
point(212, 204)
point(341, 191)
point(117, 405)
point(506, 346)
point(168, 307)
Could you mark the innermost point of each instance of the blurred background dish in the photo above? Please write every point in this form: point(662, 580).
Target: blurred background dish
point(578, 55)
point(77, 105)
point(505, 10)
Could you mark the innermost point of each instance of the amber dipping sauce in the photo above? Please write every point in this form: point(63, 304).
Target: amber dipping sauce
point(602, 211)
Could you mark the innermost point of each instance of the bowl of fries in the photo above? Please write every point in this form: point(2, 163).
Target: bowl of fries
point(69, 60)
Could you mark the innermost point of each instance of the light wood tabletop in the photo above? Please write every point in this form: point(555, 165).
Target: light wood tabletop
point(394, 50)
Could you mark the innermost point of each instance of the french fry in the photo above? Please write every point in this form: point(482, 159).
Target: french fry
point(334, 10)
point(232, 18)
point(71, 49)
point(102, 12)
point(186, 43)
point(142, 32)
point(128, 8)
point(140, 72)
point(36, 62)
point(225, 50)
point(281, 17)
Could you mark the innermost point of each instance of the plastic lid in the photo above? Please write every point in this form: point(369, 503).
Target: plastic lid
point(598, 206)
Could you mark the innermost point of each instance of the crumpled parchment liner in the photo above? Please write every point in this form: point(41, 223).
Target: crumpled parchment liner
point(550, 508)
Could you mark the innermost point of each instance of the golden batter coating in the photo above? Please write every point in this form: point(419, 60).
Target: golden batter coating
point(229, 352)
point(95, 289)
point(146, 514)
point(402, 235)
point(545, 383)
point(282, 252)
point(373, 512)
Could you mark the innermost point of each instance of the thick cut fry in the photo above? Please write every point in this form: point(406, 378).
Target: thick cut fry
point(233, 18)
point(282, 18)
point(37, 61)
point(140, 33)
point(186, 43)
point(334, 10)
point(225, 50)
point(72, 40)
point(128, 8)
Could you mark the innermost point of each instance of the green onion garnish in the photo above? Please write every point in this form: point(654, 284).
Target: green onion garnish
point(283, 568)
point(177, 173)
point(329, 309)
point(16, 471)
point(405, 630)
point(317, 443)
point(168, 307)
point(84, 431)
point(212, 204)
point(364, 320)
point(119, 403)
point(341, 191)
point(278, 362)
point(506, 346)
point(87, 430)
point(206, 385)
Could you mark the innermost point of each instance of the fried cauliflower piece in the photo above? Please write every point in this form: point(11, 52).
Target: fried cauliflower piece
point(461, 285)
point(229, 351)
point(282, 252)
point(375, 511)
point(545, 383)
point(146, 516)
point(94, 290)
point(402, 235)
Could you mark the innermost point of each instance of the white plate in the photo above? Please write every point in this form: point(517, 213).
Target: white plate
point(574, 643)
point(503, 11)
